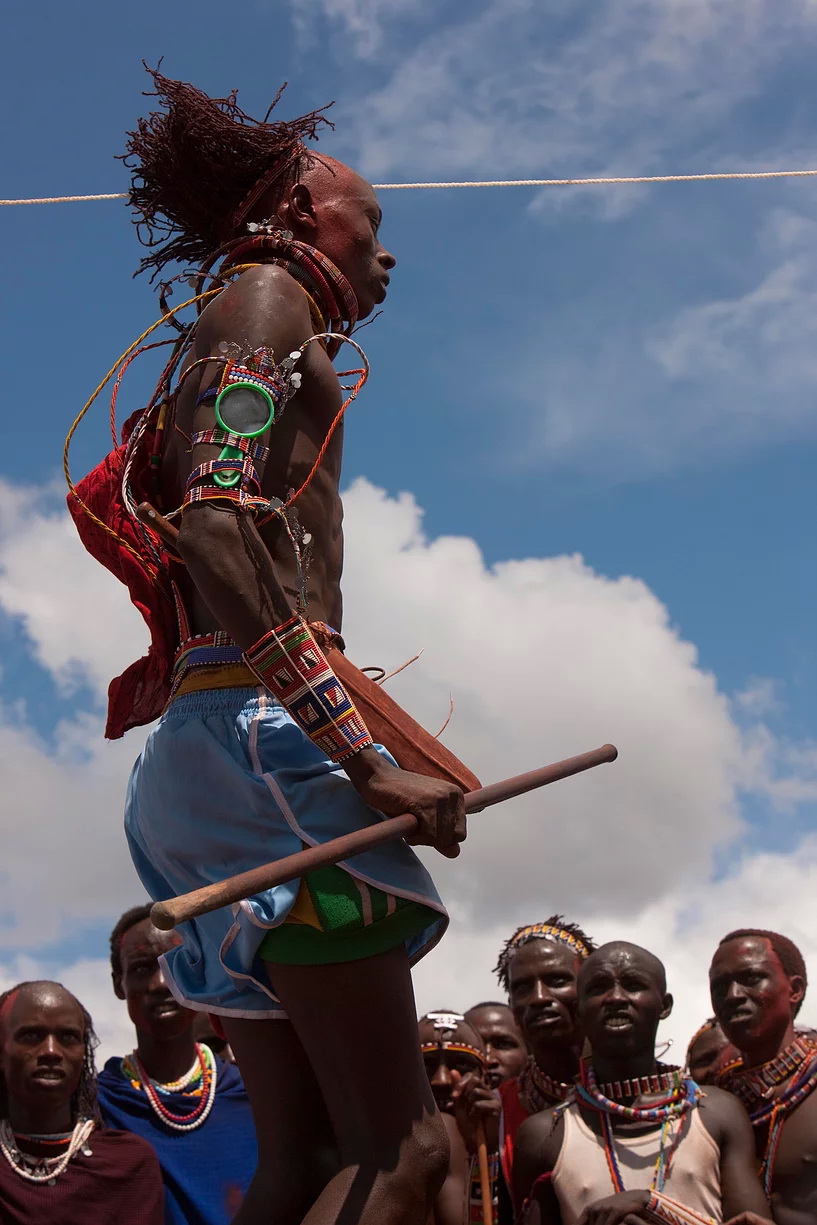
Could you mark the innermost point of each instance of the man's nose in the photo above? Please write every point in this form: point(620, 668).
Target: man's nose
point(157, 981)
point(386, 259)
point(540, 992)
point(442, 1076)
point(50, 1049)
point(735, 991)
point(491, 1057)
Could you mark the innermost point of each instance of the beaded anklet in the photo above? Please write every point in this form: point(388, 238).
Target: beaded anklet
point(289, 662)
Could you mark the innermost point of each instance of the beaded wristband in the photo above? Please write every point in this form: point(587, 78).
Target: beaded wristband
point(289, 662)
point(665, 1211)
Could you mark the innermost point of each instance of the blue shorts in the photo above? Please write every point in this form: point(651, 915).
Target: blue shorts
point(226, 782)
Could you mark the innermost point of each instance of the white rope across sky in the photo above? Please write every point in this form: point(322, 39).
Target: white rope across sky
point(593, 182)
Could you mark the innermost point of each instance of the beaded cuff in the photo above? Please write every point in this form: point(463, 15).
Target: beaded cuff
point(289, 662)
point(665, 1211)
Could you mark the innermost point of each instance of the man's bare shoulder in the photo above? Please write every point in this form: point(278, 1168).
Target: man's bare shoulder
point(266, 296)
point(722, 1112)
point(541, 1135)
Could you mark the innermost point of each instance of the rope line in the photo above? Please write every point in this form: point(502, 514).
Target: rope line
point(593, 182)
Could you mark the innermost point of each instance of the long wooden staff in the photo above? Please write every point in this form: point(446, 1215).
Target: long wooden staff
point(166, 915)
point(486, 1191)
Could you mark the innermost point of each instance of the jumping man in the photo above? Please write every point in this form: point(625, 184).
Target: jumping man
point(262, 747)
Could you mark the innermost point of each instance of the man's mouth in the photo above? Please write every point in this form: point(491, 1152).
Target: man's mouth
point(48, 1076)
point(618, 1021)
point(167, 1008)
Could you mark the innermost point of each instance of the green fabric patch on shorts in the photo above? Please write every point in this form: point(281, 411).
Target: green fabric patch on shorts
point(344, 934)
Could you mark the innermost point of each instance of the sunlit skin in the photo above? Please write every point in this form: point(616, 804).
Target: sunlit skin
point(622, 998)
point(756, 1003)
point(349, 1063)
point(42, 1049)
point(164, 1030)
point(504, 1044)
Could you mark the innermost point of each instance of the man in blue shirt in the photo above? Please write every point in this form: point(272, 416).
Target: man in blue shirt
point(174, 1091)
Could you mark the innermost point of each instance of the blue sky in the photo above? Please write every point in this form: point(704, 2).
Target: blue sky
point(627, 374)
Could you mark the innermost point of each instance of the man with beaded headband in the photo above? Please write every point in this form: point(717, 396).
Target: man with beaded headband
point(538, 967)
point(453, 1050)
point(58, 1164)
point(635, 1140)
point(263, 745)
point(758, 982)
point(190, 1106)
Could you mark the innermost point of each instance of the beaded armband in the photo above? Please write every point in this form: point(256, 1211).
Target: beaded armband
point(665, 1211)
point(250, 398)
point(289, 662)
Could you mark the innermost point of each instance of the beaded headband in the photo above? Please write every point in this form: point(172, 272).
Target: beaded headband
point(544, 931)
point(462, 1048)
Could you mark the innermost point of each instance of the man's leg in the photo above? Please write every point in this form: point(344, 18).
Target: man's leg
point(356, 1023)
point(296, 1147)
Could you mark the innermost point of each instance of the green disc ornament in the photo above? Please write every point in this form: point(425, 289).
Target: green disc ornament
point(244, 409)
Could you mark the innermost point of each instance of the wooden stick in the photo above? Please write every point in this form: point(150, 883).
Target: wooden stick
point(161, 526)
point(167, 915)
point(484, 1176)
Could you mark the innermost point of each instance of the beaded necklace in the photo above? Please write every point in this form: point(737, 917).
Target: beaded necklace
point(44, 1169)
point(682, 1095)
point(537, 1090)
point(755, 1086)
point(203, 1075)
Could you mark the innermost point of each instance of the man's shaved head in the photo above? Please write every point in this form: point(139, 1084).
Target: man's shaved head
point(616, 949)
point(42, 993)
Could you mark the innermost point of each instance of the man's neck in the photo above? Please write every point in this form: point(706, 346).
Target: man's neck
point(39, 1120)
point(166, 1059)
point(608, 1071)
point(769, 1048)
point(559, 1062)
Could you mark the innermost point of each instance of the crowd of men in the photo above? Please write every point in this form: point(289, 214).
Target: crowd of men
point(553, 1093)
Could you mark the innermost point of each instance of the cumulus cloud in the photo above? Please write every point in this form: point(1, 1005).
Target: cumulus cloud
point(544, 657)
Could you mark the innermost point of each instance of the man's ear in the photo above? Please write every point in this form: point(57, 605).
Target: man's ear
point(297, 211)
point(118, 989)
point(798, 990)
point(668, 1005)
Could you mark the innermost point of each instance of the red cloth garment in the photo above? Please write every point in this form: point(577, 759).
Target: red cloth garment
point(119, 1183)
point(140, 694)
point(513, 1116)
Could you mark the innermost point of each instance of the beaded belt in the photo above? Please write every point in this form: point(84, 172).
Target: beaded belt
point(210, 661)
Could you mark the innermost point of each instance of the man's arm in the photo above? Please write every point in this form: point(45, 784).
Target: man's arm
point(234, 572)
point(449, 1204)
point(728, 1123)
point(535, 1153)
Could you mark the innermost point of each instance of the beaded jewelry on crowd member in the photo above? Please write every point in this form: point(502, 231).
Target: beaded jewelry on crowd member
point(756, 1086)
point(199, 1082)
point(681, 1095)
point(45, 1169)
point(537, 1090)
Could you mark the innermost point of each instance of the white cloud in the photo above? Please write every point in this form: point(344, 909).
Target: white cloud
point(515, 88)
point(363, 21)
point(761, 344)
point(774, 892)
point(545, 658)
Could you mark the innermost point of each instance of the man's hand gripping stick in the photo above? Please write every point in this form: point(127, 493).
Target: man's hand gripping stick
point(167, 915)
